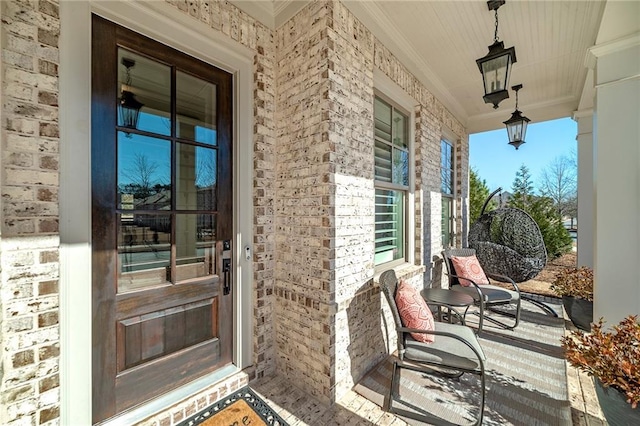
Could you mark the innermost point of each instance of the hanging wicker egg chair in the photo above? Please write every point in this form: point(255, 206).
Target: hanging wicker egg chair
point(508, 242)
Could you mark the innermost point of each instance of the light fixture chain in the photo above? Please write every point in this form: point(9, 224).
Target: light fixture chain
point(495, 35)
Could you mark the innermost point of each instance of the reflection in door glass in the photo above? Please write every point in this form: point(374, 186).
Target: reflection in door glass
point(195, 109)
point(196, 171)
point(144, 250)
point(149, 82)
point(195, 245)
point(144, 172)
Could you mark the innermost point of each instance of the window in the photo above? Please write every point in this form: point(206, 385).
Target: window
point(446, 173)
point(391, 181)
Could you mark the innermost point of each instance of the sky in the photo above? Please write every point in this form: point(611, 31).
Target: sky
point(497, 162)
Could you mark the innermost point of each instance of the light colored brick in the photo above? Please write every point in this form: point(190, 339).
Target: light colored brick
point(31, 177)
point(20, 125)
point(18, 193)
point(313, 204)
point(31, 338)
point(22, 408)
point(18, 60)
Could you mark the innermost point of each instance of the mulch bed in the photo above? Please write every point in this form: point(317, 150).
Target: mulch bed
point(542, 282)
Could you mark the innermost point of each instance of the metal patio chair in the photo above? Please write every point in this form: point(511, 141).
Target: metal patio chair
point(454, 352)
point(488, 297)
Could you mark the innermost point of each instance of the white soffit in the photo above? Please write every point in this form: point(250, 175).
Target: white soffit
point(439, 42)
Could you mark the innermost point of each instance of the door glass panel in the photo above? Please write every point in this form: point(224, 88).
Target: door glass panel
point(195, 245)
point(144, 172)
point(196, 171)
point(196, 109)
point(144, 250)
point(149, 82)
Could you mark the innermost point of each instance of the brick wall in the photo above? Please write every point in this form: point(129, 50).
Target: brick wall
point(29, 383)
point(316, 307)
point(326, 59)
point(359, 343)
point(305, 201)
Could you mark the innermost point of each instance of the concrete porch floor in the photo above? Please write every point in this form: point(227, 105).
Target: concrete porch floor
point(298, 408)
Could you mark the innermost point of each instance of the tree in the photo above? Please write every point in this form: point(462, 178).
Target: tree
point(140, 178)
point(478, 193)
point(559, 182)
point(141, 171)
point(556, 238)
point(522, 189)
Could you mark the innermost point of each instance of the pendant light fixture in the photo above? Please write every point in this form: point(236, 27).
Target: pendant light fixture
point(129, 107)
point(517, 124)
point(496, 65)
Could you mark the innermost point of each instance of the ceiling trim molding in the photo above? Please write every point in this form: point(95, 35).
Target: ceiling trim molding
point(271, 13)
point(261, 11)
point(588, 91)
point(283, 10)
point(370, 14)
point(539, 112)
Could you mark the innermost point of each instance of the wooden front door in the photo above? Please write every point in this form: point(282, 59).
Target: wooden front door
point(162, 223)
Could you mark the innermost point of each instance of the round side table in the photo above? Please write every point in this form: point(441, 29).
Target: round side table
point(449, 299)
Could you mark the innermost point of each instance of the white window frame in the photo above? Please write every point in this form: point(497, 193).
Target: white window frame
point(390, 92)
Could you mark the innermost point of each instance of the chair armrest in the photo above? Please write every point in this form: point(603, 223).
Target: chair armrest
point(504, 279)
point(477, 287)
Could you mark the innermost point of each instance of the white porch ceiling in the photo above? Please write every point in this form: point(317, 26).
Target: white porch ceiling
point(439, 42)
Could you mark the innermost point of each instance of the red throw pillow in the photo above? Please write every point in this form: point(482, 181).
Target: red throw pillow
point(414, 312)
point(469, 267)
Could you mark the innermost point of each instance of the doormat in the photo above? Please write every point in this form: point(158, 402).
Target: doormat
point(243, 407)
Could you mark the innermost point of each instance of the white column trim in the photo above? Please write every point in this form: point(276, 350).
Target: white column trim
point(619, 80)
point(603, 49)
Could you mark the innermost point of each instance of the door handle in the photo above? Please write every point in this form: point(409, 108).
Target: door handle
point(226, 270)
point(226, 267)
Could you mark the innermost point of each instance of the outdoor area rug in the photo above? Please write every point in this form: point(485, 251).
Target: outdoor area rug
point(525, 378)
point(241, 408)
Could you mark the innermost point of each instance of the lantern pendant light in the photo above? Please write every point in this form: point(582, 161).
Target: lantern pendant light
point(517, 124)
point(129, 107)
point(496, 65)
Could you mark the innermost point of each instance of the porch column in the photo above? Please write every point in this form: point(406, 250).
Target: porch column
point(586, 208)
point(617, 179)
